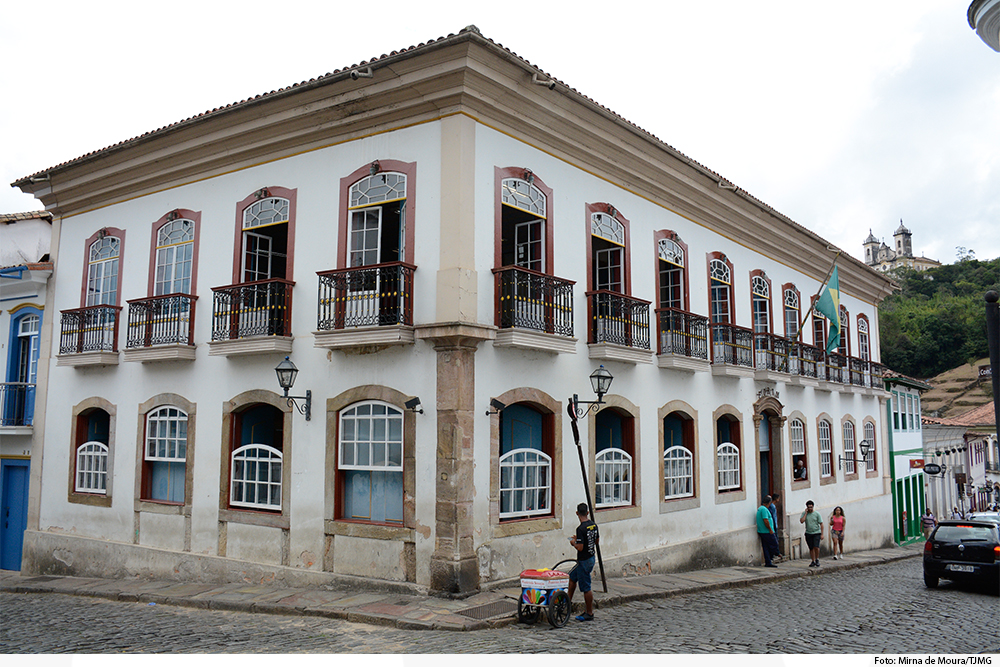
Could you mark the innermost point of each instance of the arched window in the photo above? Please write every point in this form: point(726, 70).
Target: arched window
point(256, 480)
point(760, 288)
point(174, 258)
point(797, 446)
point(678, 456)
point(721, 280)
point(165, 455)
point(850, 448)
point(844, 347)
point(370, 462)
point(102, 271)
point(613, 464)
point(608, 242)
point(729, 466)
point(377, 232)
point(265, 238)
point(525, 463)
point(523, 224)
point(672, 264)
point(864, 345)
point(825, 449)
point(871, 462)
point(92, 468)
point(257, 458)
point(792, 313)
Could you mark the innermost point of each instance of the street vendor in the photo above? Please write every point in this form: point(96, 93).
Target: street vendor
point(585, 542)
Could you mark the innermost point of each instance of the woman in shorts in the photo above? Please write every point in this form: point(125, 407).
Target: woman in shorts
point(837, 523)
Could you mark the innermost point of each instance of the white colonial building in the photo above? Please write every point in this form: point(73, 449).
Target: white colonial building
point(445, 223)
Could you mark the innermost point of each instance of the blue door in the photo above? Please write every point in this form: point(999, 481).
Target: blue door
point(13, 511)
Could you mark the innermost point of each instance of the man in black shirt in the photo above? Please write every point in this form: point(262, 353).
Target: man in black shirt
point(585, 542)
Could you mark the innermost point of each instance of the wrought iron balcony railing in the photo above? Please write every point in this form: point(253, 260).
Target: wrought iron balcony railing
point(837, 368)
point(772, 353)
point(682, 333)
point(732, 345)
point(528, 299)
point(807, 361)
point(160, 320)
point(261, 308)
point(371, 296)
point(17, 403)
point(618, 319)
point(89, 329)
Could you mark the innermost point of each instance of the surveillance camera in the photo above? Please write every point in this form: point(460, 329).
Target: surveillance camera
point(355, 74)
point(552, 85)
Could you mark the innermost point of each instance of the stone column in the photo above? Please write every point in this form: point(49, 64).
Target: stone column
point(454, 568)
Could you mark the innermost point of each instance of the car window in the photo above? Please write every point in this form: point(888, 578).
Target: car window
point(964, 533)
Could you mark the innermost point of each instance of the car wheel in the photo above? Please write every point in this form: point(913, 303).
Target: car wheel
point(930, 580)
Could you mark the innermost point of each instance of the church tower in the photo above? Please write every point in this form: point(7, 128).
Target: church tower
point(904, 242)
point(871, 249)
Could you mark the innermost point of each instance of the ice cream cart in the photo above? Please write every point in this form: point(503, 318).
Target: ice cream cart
point(544, 591)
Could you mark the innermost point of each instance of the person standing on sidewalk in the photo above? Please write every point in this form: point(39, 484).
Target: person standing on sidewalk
point(585, 542)
point(765, 531)
point(814, 531)
point(927, 522)
point(837, 524)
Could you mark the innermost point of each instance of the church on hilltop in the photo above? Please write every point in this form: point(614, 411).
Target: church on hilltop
point(880, 256)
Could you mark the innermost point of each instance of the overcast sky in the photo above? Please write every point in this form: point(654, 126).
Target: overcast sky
point(844, 116)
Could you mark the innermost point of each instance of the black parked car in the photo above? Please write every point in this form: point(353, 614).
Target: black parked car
point(965, 550)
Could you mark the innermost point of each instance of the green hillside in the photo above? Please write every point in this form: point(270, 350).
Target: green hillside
point(938, 319)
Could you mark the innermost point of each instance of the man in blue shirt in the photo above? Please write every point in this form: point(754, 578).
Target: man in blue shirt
point(765, 531)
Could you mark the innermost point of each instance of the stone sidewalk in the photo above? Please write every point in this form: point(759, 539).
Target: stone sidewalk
point(416, 612)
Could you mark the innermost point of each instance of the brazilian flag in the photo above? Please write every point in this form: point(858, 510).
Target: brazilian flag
point(829, 305)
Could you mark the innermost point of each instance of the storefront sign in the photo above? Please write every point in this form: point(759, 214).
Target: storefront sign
point(916, 464)
point(932, 469)
point(985, 372)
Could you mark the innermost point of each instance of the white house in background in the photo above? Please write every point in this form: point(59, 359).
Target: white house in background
point(965, 447)
point(451, 224)
point(24, 271)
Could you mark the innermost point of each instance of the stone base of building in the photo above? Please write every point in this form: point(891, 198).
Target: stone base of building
point(75, 556)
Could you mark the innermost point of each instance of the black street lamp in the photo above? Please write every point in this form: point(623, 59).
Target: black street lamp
point(865, 447)
point(600, 380)
point(286, 372)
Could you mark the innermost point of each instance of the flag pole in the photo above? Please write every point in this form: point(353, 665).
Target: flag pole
point(816, 296)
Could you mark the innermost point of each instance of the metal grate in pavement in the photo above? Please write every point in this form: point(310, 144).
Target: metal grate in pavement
point(41, 580)
point(490, 610)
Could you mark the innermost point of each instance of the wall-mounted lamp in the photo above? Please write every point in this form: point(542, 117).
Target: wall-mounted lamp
point(495, 407)
point(865, 447)
point(374, 168)
point(529, 176)
point(611, 210)
point(600, 382)
point(286, 372)
point(414, 405)
point(173, 215)
point(263, 192)
point(102, 233)
point(937, 453)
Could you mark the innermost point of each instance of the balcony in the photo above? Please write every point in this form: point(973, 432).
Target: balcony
point(533, 310)
point(160, 328)
point(252, 318)
point(17, 407)
point(683, 340)
point(732, 351)
point(620, 327)
point(366, 308)
point(89, 336)
point(772, 356)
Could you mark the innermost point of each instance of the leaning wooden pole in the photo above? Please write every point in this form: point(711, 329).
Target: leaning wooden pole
point(586, 487)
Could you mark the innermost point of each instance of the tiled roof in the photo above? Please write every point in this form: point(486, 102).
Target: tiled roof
point(890, 374)
point(981, 416)
point(28, 215)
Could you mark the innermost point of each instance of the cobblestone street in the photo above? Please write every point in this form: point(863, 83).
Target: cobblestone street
point(883, 609)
